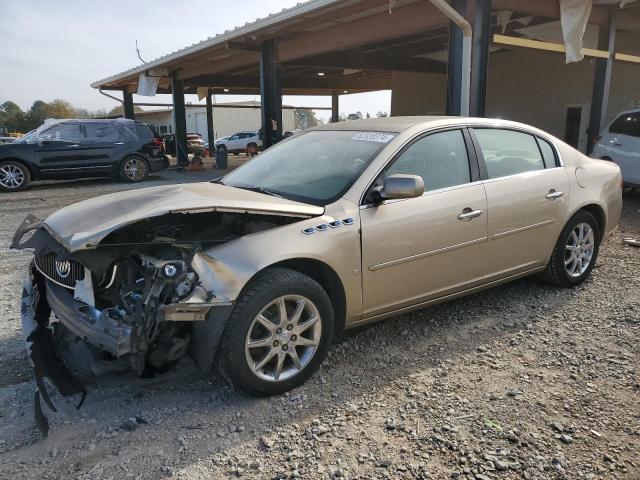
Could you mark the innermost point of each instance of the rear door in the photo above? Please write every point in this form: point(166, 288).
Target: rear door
point(103, 147)
point(418, 249)
point(58, 151)
point(527, 197)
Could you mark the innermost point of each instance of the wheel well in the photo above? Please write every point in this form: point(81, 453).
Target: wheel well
point(32, 172)
point(327, 278)
point(598, 212)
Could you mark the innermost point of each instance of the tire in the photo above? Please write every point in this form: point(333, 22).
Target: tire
point(565, 272)
point(14, 176)
point(134, 169)
point(276, 344)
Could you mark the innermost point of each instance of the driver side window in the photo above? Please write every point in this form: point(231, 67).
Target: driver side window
point(440, 159)
point(63, 132)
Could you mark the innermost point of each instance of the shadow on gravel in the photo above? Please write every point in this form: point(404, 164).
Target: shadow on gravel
point(392, 350)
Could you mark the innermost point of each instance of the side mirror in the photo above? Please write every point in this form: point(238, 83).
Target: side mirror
point(402, 186)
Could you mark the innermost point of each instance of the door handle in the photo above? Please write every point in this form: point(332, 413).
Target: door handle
point(469, 214)
point(617, 144)
point(552, 195)
point(74, 145)
point(118, 143)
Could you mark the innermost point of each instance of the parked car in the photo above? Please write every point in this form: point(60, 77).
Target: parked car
point(7, 139)
point(241, 142)
point(620, 142)
point(65, 149)
point(195, 143)
point(336, 227)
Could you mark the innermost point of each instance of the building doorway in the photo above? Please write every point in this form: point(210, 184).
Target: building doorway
point(572, 122)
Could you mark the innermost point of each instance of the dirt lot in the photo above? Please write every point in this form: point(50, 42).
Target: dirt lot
point(522, 381)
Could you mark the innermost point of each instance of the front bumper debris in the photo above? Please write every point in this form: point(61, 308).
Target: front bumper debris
point(47, 365)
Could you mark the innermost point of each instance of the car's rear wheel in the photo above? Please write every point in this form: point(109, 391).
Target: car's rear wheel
point(14, 176)
point(134, 169)
point(278, 333)
point(576, 251)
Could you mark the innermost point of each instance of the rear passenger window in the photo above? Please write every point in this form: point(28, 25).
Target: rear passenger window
point(100, 132)
point(547, 153)
point(627, 124)
point(507, 152)
point(440, 159)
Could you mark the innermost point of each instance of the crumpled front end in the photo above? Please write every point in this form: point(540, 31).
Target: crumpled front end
point(138, 303)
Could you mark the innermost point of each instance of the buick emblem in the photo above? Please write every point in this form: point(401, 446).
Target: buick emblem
point(63, 268)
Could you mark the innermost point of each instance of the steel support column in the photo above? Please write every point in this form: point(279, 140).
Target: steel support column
point(480, 58)
point(454, 65)
point(210, 134)
point(335, 107)
point(127, 105)
point(180, 120)
point(271, 95)
point(601, 82)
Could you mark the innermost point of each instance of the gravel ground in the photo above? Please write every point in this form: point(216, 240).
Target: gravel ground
point(521, 381)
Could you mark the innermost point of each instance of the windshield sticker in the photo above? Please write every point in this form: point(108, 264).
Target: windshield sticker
point(373, 137)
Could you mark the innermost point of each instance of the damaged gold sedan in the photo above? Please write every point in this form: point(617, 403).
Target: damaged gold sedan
point(336, 227)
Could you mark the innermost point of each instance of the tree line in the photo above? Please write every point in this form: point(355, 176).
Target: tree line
point(12, 116)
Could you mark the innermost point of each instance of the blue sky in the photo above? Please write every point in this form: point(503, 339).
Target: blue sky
point(55, 49)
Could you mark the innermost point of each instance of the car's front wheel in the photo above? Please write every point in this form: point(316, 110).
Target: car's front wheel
point(278, 333)
point(14, 176)
point(576, 251)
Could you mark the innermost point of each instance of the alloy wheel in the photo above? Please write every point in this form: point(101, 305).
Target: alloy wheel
point(134, 169)
point(579, 250)
point(283, 338)
point(11, 176)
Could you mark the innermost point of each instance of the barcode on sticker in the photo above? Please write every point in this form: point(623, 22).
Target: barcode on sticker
point(373, 137)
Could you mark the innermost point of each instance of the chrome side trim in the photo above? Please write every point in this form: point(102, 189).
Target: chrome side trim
point(531, 173)
point(418, 256)
point(522, 229)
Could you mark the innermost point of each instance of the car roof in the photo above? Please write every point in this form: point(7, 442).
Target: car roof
point(400, 124)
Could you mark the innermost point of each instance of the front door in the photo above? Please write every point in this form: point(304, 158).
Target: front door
point(59, 151)
point(527, 195)
point(418, 249)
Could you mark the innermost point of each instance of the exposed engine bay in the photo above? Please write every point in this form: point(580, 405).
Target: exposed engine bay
point(134, 303)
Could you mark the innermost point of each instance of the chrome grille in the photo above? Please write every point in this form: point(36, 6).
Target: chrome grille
point(62, 272)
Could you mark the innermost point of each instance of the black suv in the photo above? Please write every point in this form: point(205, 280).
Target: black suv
point(64, 149)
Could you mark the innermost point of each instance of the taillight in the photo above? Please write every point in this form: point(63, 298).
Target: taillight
point(159, 142)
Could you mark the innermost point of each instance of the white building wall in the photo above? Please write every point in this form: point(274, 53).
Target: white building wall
point(226, 121)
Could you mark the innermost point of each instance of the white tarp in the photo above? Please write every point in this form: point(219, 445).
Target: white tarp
point(574, 15)
point(147, 86)
point(202, 92)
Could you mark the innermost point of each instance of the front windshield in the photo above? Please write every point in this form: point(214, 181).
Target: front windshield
point(316, 167)
point(28, 137)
